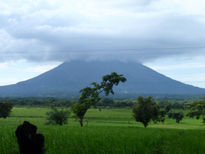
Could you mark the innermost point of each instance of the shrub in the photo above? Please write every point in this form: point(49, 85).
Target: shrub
point(5, 109)
point(57, 116)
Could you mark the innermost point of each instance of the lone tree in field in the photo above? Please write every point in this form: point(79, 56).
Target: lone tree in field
point(145, 110)
point(90, 96)
point(197, 109)
point(5, 109)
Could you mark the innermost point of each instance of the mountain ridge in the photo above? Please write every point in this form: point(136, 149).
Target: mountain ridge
point(69, 77)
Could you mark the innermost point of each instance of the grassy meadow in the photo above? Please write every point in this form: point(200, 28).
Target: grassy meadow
point(108, 131)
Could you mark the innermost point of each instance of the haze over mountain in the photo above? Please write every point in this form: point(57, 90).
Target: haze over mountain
point(68, 78)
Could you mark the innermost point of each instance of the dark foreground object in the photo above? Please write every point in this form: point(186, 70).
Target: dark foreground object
point(30, 142)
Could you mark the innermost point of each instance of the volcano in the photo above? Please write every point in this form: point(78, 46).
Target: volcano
point(68, 78)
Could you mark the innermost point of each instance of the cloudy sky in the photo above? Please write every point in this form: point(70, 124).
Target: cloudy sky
point(168, 36)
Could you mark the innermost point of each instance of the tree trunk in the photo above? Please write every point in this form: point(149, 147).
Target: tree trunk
point(81, 122)
point(145, 125)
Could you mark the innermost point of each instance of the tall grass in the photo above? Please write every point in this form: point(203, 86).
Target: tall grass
point(110, 131)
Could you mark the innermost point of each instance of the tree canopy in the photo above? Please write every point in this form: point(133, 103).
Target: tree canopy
point(145, 110)
point(5, 109)
point(90, 96)
point(197, 108)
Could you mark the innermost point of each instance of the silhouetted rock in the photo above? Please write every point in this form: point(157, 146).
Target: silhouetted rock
point(30, 142)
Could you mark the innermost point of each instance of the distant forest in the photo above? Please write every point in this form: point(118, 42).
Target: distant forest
point(177, 102)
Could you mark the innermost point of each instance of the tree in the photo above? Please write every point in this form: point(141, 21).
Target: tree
point(168, 107)
point(177, 116)
point(161, 116)
point(145, 110)
point(90, 96)
point(57, 116)
point(197, 109)
point(5, 109)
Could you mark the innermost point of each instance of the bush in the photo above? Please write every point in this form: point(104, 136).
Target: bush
point(5, 109)
point(57, 116)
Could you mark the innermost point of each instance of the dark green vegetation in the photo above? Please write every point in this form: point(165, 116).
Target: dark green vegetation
point(57, 116)
point(176, 103)
point(197, 108)
point(90, 96)
point(145, 110)
point(106, 131)
point(5, 109)
point(177, 116)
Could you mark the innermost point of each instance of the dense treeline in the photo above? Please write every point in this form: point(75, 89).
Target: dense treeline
point(105, 102)
point(39, 102)
point(144, 109)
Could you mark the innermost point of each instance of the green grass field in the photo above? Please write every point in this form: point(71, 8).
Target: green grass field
point(107, 131)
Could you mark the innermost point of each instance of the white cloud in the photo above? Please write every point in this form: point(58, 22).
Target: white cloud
point(15, 71)
point(8, 81)
point(184, 69)
point(40, 69)
point(180, 66)
point(3, 65)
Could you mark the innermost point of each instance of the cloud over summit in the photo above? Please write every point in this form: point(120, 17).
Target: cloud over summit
point(51, 30)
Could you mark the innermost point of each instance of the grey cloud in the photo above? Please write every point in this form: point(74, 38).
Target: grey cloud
point(44, 34)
